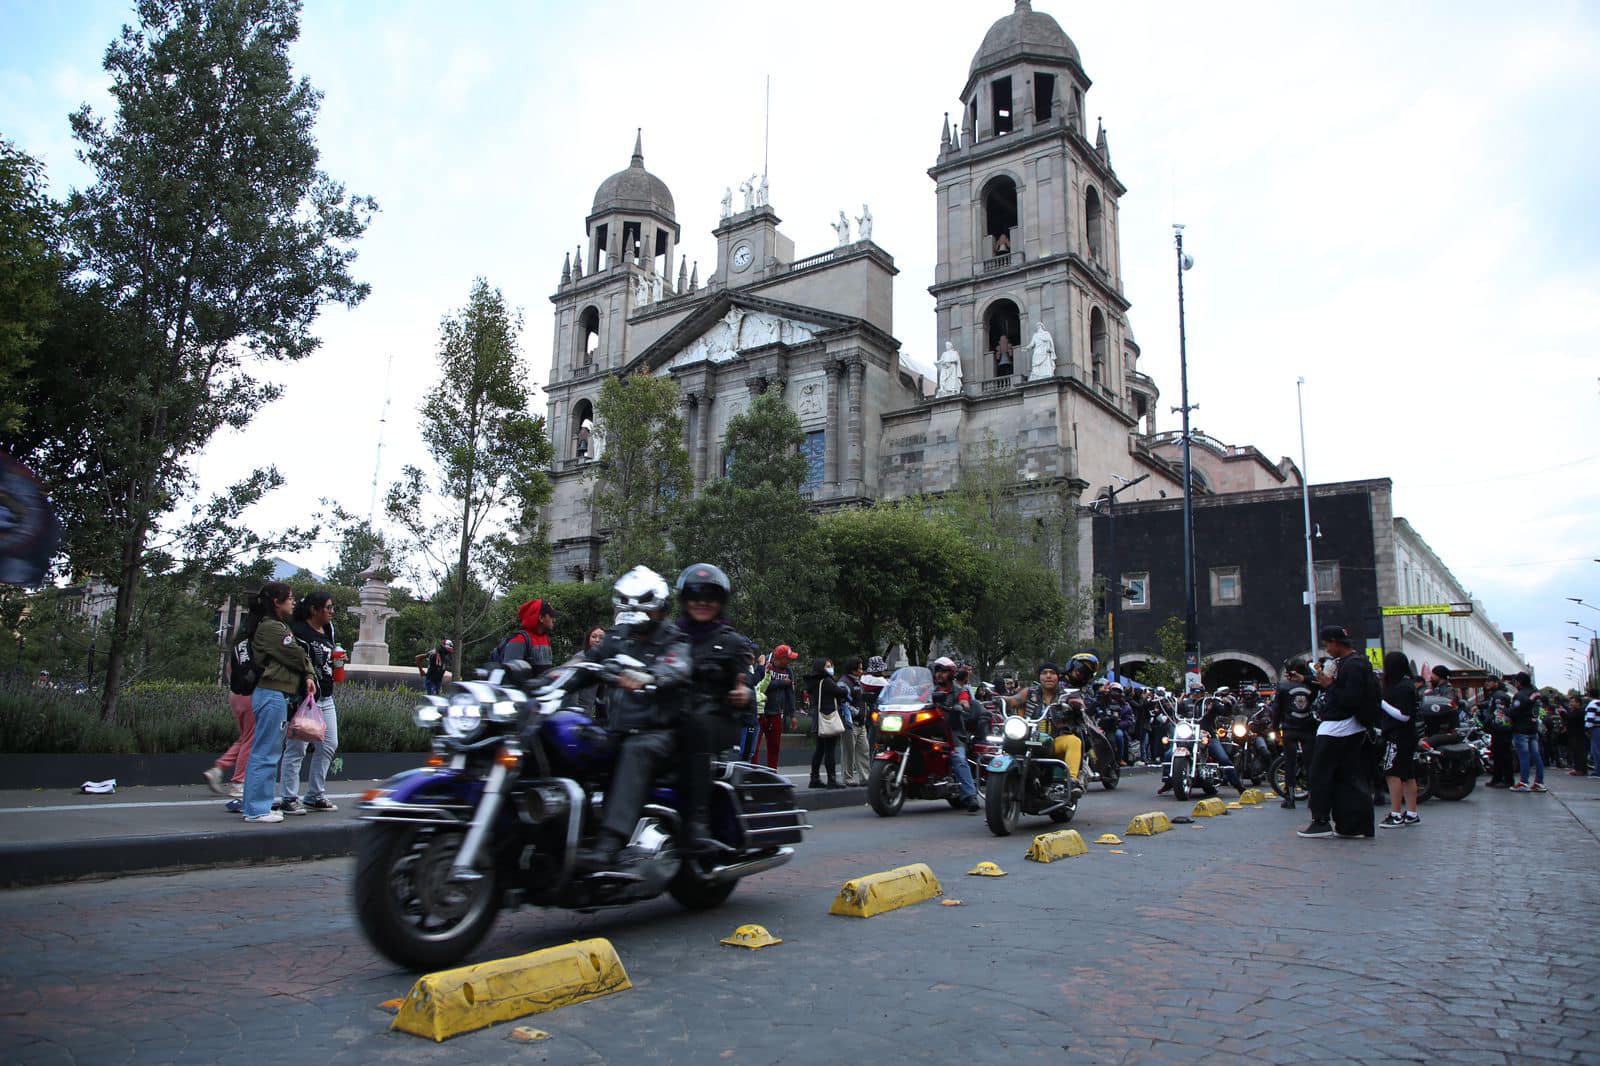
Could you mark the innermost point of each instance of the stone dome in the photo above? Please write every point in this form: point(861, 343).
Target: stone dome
point(1024, 31)
point(634, 189)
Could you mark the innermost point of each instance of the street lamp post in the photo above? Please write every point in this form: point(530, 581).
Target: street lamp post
point(1114, 577)
point(1580, 603)
point(1305, 501)
point(1191, 637)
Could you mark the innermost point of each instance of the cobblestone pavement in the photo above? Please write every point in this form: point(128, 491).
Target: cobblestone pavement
point(1469, 939)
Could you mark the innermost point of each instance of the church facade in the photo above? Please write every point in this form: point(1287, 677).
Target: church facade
point(1038, 358)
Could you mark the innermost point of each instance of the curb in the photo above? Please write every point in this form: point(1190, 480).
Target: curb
point(25, 865)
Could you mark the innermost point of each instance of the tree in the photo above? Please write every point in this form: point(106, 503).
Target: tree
point(644, 471)
point(755, 525)
point(31, 272)
point(489, 455)
point(359, 543)
point(211, 239)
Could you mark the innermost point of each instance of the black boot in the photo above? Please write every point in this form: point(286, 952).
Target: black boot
point(833, 782)
point(816, 782)
point(697, 841)
point(603, 854)
point(1288, 804)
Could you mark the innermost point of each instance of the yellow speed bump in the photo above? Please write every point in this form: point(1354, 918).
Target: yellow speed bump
point(986, 869)
point(1209, 808)
point(1252, 796)
point(1235, 806)
point(751, 936)
point(876, 894)
point(451, 1002)
point(1062, 844)
point(1149, 824)
point(1108, 838)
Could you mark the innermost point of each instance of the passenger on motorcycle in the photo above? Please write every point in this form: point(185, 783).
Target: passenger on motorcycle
point(1081, 669)
point(956, 703)
point(717, 694)
point(1116, 719)
point(1440, 688)
point(644, 707)
point(1045, 692)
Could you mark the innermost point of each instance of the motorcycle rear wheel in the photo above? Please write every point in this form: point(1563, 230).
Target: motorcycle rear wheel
point(1276, 775)
point(1453, 789)
point(1110, 776)
point(1180, 778)
point(406, 905)
point(1002, 803)
point(883, 794)
point(695, 893)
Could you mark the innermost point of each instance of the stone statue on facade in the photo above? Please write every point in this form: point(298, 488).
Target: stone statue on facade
point(747, 189)
point(949, 380)
point(864, 223)
point(641, 291)
point(842, 228)
point(1043, 364)
point(371, 647)
point(761, 192)
point(727, 202)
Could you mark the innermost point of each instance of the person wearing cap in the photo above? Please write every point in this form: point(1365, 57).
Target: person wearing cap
point(873, 682)
point(1341, 784)
point(1296, 723)
point(431, 665)
point(536, 620)
point(776, 693)
point(1524, 715)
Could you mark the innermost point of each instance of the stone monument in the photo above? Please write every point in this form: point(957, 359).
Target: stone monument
point(372, 646)
point(1044, 354)
point(949, 371)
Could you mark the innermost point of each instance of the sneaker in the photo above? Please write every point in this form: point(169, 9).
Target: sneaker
point(1520, 787)
point(1538, 786)
point(270, 816)
point(213, 778)
point(235, 806)
point(1316, 829)
point(321, 803)
point(236, 791)
point(1411, 818)
point(293, 806)
point(1393, 821)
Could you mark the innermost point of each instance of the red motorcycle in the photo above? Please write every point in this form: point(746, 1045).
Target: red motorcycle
point(913, 760)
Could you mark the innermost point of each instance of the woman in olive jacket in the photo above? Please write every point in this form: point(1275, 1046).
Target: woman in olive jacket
point(285, 675)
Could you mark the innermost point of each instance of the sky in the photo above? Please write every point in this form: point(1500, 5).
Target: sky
point(1395, 201)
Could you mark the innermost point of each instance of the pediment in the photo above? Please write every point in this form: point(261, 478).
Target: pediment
point(742, 329)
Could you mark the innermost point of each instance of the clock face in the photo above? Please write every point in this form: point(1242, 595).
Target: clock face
point(742, 256)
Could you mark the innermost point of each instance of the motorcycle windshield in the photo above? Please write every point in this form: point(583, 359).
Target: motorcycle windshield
point(909, 685)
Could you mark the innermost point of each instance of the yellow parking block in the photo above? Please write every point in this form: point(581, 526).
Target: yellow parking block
point(1209, 808)
point(876, 894)
point(451, 1002)
point(1108, 838)
point(750, 936)
point(1062, 844)
point(987, 869)
point(1149, 824)
point(1252, 796)
point(1236, 806)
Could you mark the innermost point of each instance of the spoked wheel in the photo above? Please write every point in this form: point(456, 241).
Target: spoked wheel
point(407, 905)
point(884, 792)
point(1002, 803)
point(1301, 789)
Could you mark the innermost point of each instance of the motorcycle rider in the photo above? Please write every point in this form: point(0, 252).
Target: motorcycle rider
point(956, 703)
point(1216, 713)
point(717, 694)
point(1116, 719)
point(1043, 693)
point(1081, 669)
point(644, 707)
point(1296, 723)
point(1188, 707)
point(1494, 708)
point(1439, 687)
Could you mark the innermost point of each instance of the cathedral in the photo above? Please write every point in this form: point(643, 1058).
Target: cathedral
point(1037, 362)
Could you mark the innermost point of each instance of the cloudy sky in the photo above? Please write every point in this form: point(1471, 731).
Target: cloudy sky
point(1397, 201)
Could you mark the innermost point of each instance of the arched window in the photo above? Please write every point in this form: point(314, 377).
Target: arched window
point(1002, 331)
point(1092, 222)
point(1000, 216)
point(1097, 344)
point(588, 335)
point(583, 442)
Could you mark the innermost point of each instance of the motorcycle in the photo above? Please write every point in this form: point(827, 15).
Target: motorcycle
point(1447, 765)
point(1248, 749)
point(1188, 767)
point(1278, 774)
point(1027, 779)
point(915, 747)
point(515, 785)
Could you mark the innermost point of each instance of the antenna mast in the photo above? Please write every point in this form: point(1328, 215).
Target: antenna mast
point(383, 421)
point(766, 130)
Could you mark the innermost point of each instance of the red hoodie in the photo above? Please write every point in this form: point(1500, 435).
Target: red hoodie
point(537, 644)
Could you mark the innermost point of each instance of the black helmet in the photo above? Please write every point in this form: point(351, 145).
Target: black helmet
point(705, 583)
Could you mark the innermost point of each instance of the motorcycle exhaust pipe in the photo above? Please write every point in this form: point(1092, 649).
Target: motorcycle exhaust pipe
point(736, 870)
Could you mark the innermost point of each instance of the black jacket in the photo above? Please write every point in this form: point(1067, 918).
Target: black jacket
point(665, 654)
point(780, 691)
point(1402, 696)
point(826, 694)
point(1291, 709)
point(719, 657)
point(1524, 711)
point(1348, 692)
point(319, 647)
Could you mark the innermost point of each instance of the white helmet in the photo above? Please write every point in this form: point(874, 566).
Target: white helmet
point(639, 591)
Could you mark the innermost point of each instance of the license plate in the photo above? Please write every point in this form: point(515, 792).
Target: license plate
point(1180, 750)
point(891, 724)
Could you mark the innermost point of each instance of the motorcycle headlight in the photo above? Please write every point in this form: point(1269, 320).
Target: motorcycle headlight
point(1239, 730)
point(1184, 731)
point(1016, 729)
point(464, 715)
point(428, 714)
point(891, 723)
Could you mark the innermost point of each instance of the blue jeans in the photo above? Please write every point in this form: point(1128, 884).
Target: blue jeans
point(1594, 752)
point(1527, 745)
point(747, 741)
point(261, 772)
point(430, 687)
point(294, 754)
point(958, 757)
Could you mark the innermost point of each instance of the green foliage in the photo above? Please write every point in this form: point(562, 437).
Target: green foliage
point(466, 519)
point(1166, 669)
point(358, 543)
point(763, 445)
point(644, 471)
point(31, 272)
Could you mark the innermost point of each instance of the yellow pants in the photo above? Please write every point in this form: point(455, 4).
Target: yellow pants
point(1069, 749)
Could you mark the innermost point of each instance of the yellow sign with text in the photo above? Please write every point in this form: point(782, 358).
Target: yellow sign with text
point(1407, 609)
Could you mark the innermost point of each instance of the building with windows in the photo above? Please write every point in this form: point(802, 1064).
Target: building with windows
point(1037, 358)
point(1250, 581)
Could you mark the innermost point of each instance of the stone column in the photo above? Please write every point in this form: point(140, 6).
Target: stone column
point(691, 407)
point(830, 451)
point(371, 647)
point(707, 432)
point(856, 448)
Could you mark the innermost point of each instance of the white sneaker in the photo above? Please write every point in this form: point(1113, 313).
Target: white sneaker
point(270, 816)
point(213, 778)
point(236, 791)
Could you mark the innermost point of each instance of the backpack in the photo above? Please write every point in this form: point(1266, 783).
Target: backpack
point(244, 672)
point(502, 652)
point(1370, 712)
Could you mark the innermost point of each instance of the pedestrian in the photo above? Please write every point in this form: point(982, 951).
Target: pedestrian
point(592, 698)
point(777, 709)
point(1493, 712)
point(1296, 724)
point(241, 682)
point(829, 697)
point(1524, 715)
point(1341, 784)
point(873, 682)
point(285, 675)
point(536, 620)
point(1400, 703)
point(313, 628)
point(430, 664)
point(750, 714)
point(1591, 723)
point(857, 748)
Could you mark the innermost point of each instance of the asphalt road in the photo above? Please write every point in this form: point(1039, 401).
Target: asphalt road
point(1468, 939)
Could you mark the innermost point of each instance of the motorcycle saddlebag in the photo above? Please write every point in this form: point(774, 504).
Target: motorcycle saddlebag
point(763, 805)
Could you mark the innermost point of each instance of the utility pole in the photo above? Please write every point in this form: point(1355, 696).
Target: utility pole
point(1191, 636)
point(1114, 590)
point(1305, 497)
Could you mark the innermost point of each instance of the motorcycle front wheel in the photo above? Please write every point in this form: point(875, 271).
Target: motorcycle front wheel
point(1281, 787)
point(1002, 802)
point(884, 794)
point(408, 907)
point(1180, 777)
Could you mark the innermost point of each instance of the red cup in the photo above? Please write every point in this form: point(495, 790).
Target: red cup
point(338, 664)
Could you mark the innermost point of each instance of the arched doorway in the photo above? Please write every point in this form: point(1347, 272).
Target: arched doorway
point(1000, 217)
point(583, 436)
point(1231, 667)
point(1093, 223)
point(588, 335)
point(1097, 345)
point(1002, 332)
